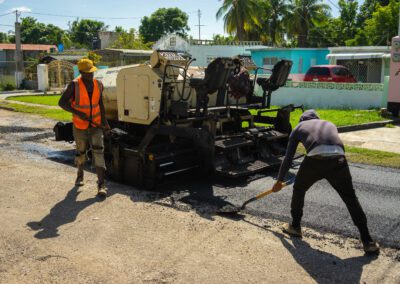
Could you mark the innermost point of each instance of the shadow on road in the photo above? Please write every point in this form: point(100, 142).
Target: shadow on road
point(62, 213)
point(322, 266)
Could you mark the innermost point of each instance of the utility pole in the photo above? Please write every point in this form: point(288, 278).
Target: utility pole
point(199, 25)
point(19, 61)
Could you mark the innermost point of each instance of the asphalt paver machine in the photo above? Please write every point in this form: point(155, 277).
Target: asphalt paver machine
point(168, 117)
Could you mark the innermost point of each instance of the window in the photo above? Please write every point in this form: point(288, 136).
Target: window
point(270, 60)
point(339, 71)
point(318, 71)
point(172, 41)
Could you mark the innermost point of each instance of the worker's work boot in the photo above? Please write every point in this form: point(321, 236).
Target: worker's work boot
point(101, 185)
point(371, 247)
point(293, 231)
point(79, 177)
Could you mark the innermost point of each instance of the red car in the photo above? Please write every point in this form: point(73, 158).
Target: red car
point(329, 73)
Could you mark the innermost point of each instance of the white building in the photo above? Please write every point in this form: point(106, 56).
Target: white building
point(204, 50)
point(369, 64)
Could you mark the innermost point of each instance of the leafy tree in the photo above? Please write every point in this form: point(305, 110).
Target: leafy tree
point(347, 19)
point(162, 22)
point(130, 40)
point(3, 37)
point(221, 39)
point(304, 15)
point(367, 9)
point(94, 57)
point(39, 33)
point(241, 17)
point(119, 29)
point(85, 31)
point(381, 27)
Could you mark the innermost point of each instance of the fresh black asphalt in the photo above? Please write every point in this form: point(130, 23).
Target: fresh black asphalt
point(377, 188)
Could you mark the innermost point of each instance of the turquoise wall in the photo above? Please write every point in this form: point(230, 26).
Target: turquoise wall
point(307, 56)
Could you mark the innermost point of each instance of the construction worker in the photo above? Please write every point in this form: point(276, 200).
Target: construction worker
point(325, 159)
point(83, 98)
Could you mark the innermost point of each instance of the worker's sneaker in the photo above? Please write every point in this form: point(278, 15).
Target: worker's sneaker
point(79, 180)
point(290, 230)
point(371, 247)
point(102, 190)
point(79, 176)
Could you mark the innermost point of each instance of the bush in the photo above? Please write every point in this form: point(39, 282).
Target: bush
point(7, 86)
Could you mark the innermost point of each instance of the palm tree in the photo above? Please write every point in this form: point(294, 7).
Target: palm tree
point(240, 17)
point(278, 9)
point(304, 14)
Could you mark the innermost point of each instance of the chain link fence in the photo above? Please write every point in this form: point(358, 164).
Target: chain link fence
point(8, 76)
point(364, 70)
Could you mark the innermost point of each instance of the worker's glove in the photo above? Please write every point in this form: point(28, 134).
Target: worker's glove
point(83, 116)
point(107, 129)
point(277, 186)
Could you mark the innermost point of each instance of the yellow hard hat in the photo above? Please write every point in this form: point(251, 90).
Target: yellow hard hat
point(86, 65)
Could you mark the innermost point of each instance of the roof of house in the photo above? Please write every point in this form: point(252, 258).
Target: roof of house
point(130, 51)
point(28, 47)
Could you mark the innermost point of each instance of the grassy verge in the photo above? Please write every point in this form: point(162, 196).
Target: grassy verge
point(339, 117)
point(57, 114)
point(51, 100)
point(367, 156)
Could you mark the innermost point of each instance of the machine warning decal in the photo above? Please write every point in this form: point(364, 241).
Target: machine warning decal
point(152, 105)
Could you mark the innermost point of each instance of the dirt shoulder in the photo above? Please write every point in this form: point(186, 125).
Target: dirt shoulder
point(54, 232)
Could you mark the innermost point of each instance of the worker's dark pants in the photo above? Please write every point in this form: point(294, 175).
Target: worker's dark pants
point(336, 171)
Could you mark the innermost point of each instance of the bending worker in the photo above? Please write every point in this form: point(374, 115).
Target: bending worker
point(83, 98)
point(325, 160)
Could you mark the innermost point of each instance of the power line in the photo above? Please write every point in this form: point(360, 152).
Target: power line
point(71, 16)
point(9, 13)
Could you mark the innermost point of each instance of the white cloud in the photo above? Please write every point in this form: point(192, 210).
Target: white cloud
point(22, 9)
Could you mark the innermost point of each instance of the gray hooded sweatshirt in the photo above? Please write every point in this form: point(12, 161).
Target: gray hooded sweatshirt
point(311, 132)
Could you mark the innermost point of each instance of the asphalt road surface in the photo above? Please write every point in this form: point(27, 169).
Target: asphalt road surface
point(378, 188)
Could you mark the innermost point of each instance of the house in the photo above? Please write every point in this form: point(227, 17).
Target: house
point(29, 51)
point(7, 51)
point(369, 64)
point(204, 51)
point(112, 57)
point(302, 58)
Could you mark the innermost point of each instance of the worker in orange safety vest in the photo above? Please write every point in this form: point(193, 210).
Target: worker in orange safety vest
point(83, 98)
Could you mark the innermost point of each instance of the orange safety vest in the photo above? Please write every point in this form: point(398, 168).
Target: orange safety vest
point(82, 103)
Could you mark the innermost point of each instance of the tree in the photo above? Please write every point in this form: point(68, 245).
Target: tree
point(347, 19)
point(129, 40)
point(3, 37)
point(367, 9)
point(222, 40)
point(162, 22)
point(83, 32)
point(277, 14)
point(304, 15)
point(241, 17)
point(381, 27)
point(35, 32)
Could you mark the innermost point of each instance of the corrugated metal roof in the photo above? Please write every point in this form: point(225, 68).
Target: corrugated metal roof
point(131, 51)
point(355, 55)
point(29, 47)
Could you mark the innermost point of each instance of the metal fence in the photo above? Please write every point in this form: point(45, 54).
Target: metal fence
point(7, 74)
point(364, 70)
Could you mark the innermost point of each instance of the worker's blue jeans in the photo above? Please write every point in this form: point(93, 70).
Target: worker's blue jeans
point(336, 172)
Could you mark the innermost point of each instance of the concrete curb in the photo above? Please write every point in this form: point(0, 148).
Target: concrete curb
point(370, 125)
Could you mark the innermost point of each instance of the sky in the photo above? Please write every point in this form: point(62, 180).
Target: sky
point(69, 10)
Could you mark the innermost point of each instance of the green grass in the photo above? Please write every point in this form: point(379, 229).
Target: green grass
point(339, 117)
point(372, 157)
point(367, 156)
point(51, 100)
point(57, 114)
